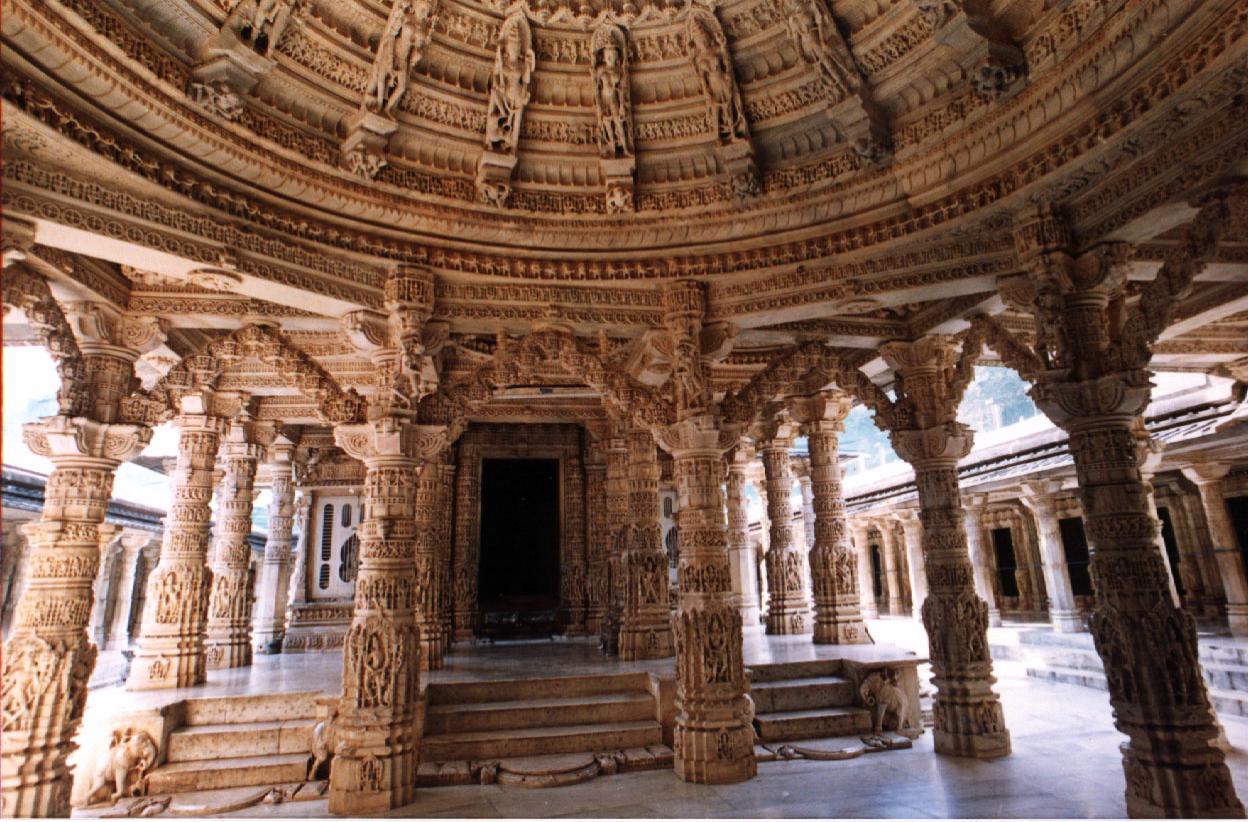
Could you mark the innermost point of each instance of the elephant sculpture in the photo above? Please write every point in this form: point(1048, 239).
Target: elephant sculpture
point(130, 756)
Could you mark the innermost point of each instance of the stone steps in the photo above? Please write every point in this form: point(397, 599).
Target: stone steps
point(1070, 676)
point(797, 694)
point(235, 772)
point(251, 708)
point(461, 693)
point(816, 723)
point(787, 671)
point(555, 739)
point(241, 739)
point(538, 712)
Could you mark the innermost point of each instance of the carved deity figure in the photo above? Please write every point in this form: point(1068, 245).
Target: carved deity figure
point(611, 91)
point(260, 23)
point(510, 87)
point(402, 45)
point(707, 48)
point(814, 32)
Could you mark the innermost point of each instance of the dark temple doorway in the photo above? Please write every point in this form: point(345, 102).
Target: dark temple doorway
point(519, 576)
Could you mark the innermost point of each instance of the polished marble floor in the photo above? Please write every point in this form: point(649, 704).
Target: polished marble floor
point(1065, 762)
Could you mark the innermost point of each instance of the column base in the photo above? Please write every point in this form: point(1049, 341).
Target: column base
point(976, 746)
point(234, 652)
point(870, 610)
point(154, 671)
point(1237, 618)
point(371, 784)
point(431, 650)
point(899, 609)
point(1066, 622)
point(651, 642)
point(699, 754)
point(841, 632)
point(994, 618)
point(1198, 789)
point(788, 622)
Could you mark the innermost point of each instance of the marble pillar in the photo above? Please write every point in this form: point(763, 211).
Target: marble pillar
point(788, 611)
point(596, 540)
point(446, 551)
point(967, 713)
point(805, 484)
point(866, 576)
point(833, 564)
point(1226, 548)
point(982, 562)
point(714, 736)
point(48, 657)
point(132, 545)
point(228, 640)
point(912, 536)
point(645, 623)
point(1040, 498)
point(616, 450)
point(573, 568)
point(170, 651)
point(379, 720)
point(275, 583)
point(299, 576)
point(427, 619)
point(740, 552)
point(889, 552)
point(103, 588)
point(467, 544)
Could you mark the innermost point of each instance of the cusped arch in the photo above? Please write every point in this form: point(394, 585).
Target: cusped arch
point(267, 344)
point(29, 292)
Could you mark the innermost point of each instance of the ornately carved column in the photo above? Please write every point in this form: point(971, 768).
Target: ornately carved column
point(1226, 549)
point(714, 737)
point(428, 620)
point(1039, 497)
point(378, 728)
point(228, 640)
point(833, 564)
point(892, 569)
point(132, 545)
point(981, 562)
point(616, 450)
point(788, 612)
point(170, 653)
point(573, 561)
point(596, 546)
point(645, 626)
point(48, 658)
point(912, 533)
point(866, 577)
point(968, 717)
point(740, 552)
point(271, 599)
point(467, 533)
point(446, 556)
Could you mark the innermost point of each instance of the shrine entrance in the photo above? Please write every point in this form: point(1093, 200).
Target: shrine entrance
point(519, 571)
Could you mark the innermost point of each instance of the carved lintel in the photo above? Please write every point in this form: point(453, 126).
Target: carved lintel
point(363, 152)
point(494, 177)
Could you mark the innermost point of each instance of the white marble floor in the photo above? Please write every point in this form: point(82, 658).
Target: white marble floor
point(1065, 762)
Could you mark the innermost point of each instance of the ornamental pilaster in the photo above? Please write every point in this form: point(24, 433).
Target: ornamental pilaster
point(48, 658)
point(467, 541)
point(861, 531)
point(789, 610)
point(645, 625)
point(299, 576)
point(572, 579)
point(889, 549)
point(714, 736)
point(427, 591)
point(982, 562)
point(275, 582)
point(616, 451)
point(228, 640)
point(912, 536)
point(740, 552)
point(133, 544)
point(446, 534)
point(596, 545)
point(379, 724)
point(926, 434)
point(1040, 498)
point(1208, 477)
point(171, 648)
point(833, 562)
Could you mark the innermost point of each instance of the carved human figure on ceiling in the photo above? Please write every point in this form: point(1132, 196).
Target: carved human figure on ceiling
point(401, 47)
point(510, 87)
point(814, 32)
point(707, 48)
point(611, 92)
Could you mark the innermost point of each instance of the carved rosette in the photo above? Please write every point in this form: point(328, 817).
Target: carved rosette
point(49, 658)
point(228, 640)
point(616, 451)
point(789, 612)
point(833, 563)
point(714, 736)
point(645, 627)
point(467, 544)
point(379, 723)
point(275, 582)
point(171, 648)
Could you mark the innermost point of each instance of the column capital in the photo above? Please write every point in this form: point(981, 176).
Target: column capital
point(391, 437)
point(103, 329)
point(823, 411)
point(79, 437)
point(701, 433)
point(1206, 473)
point(951, 440)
